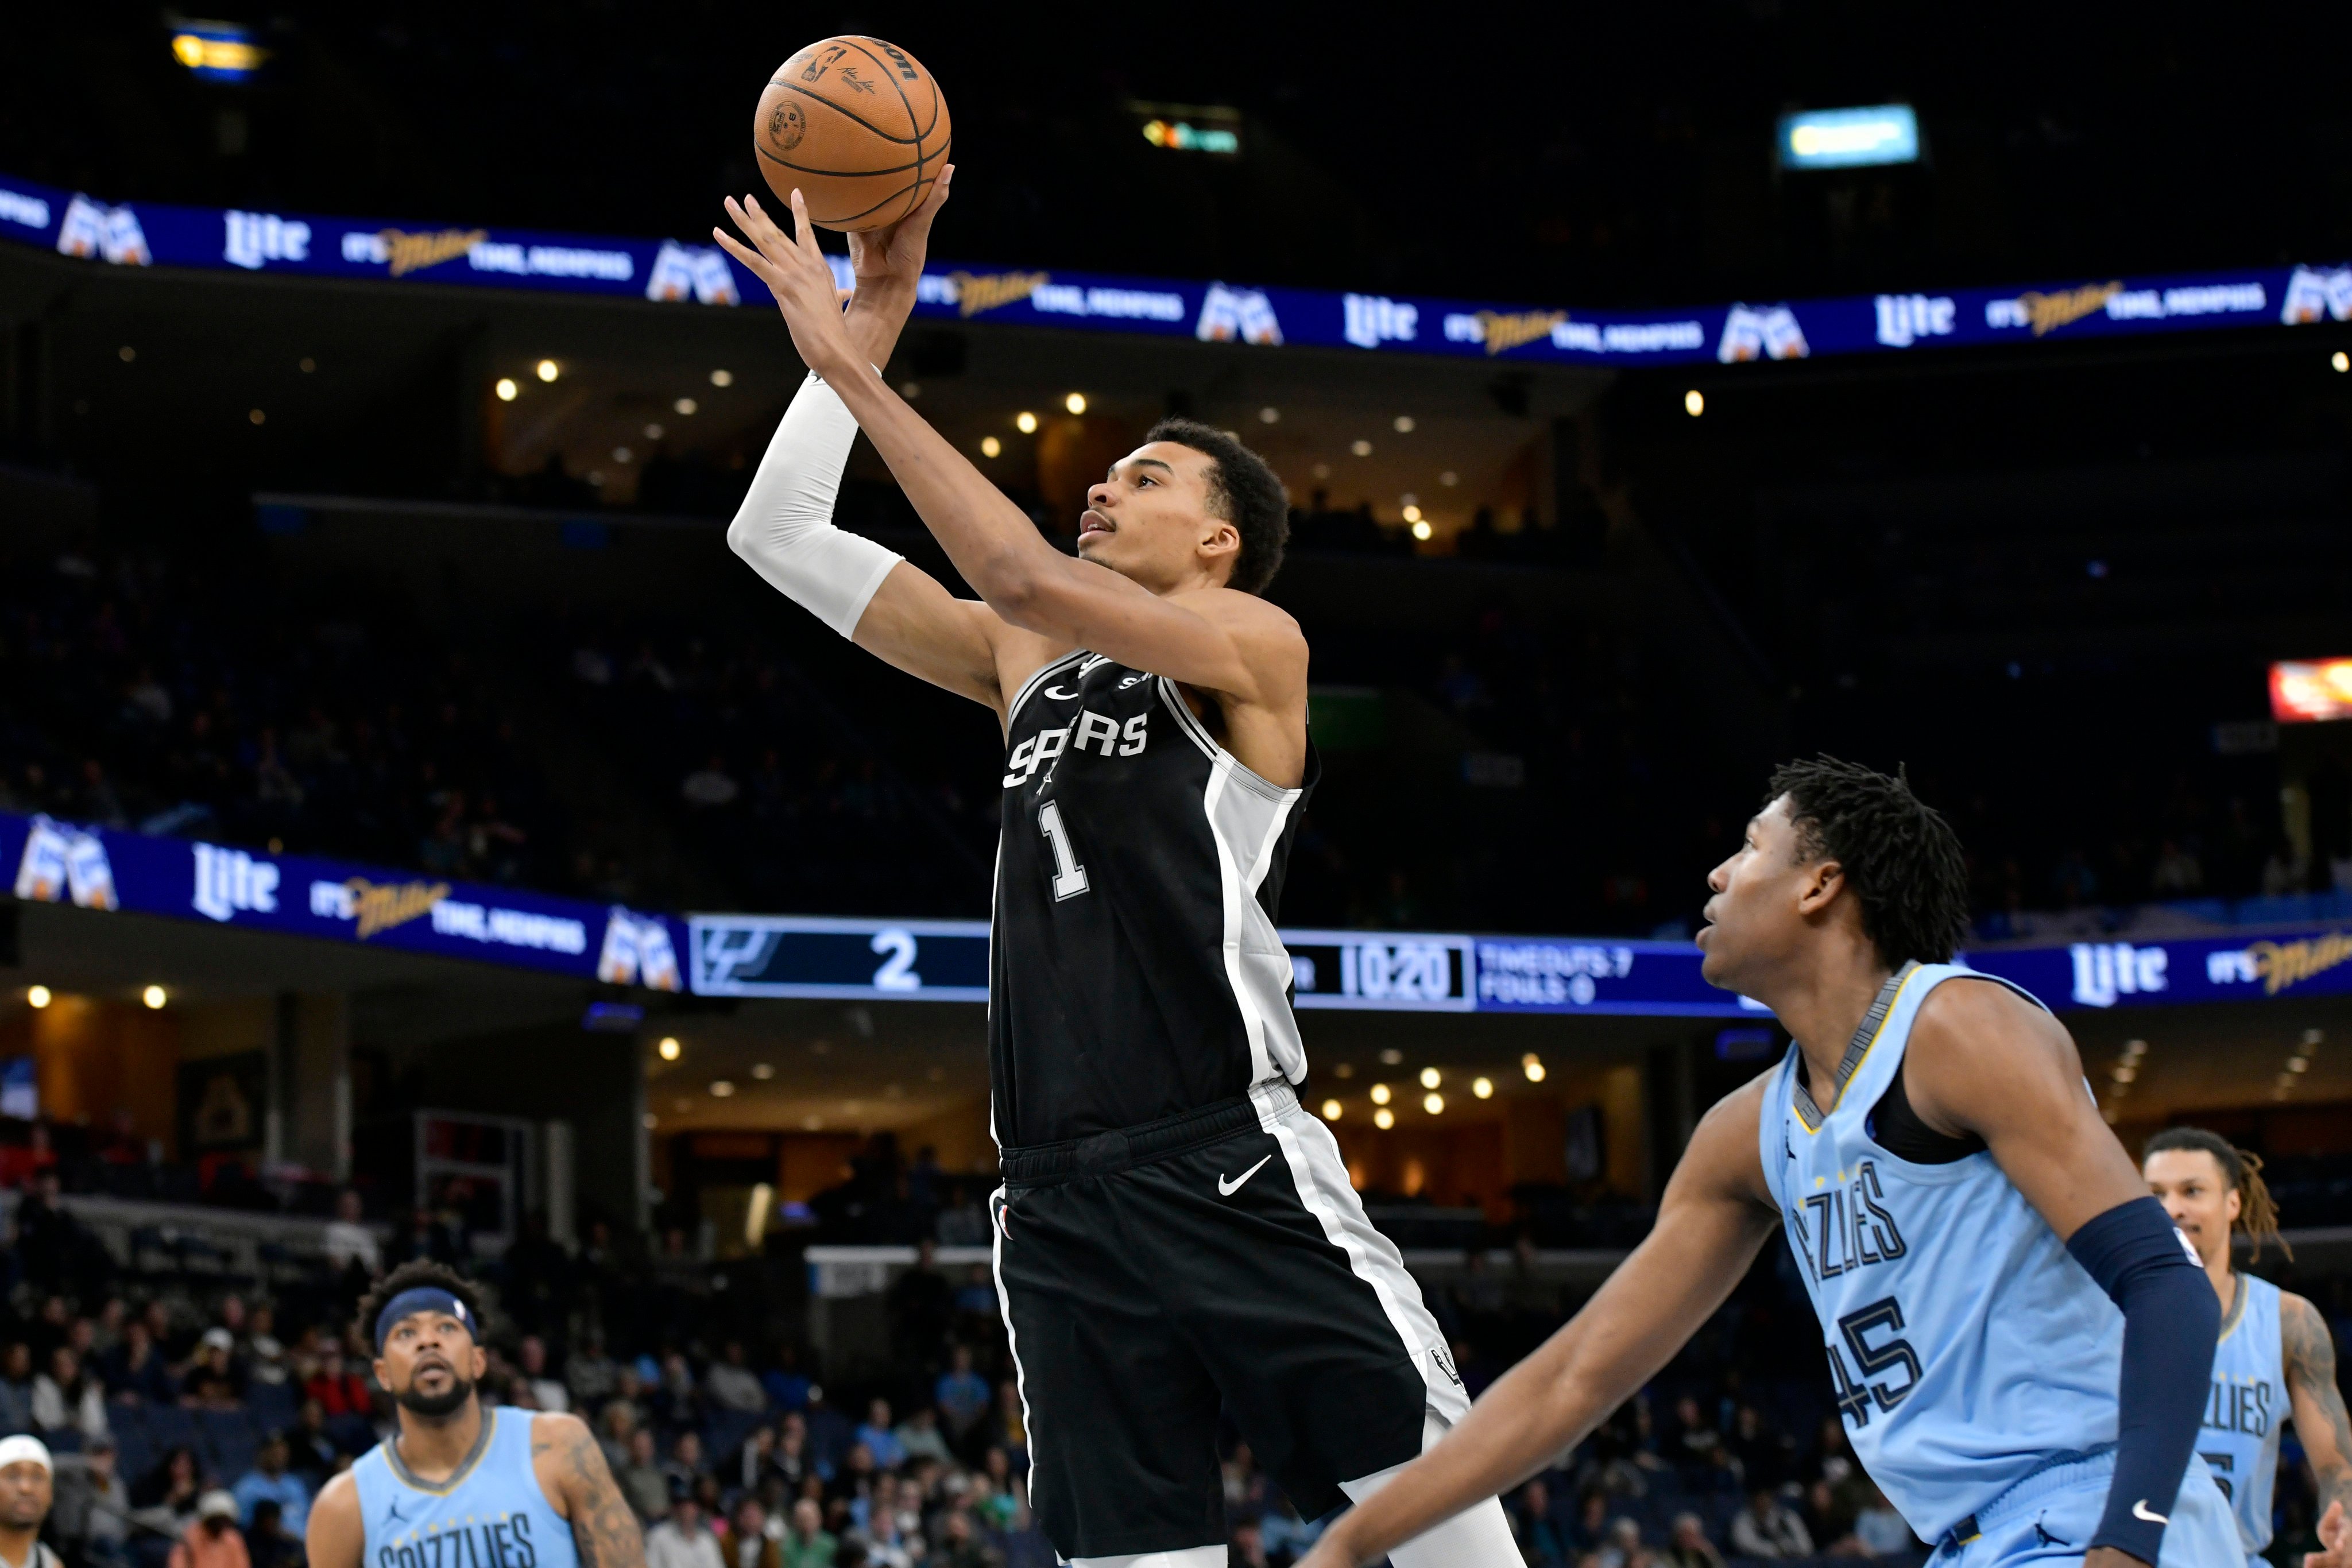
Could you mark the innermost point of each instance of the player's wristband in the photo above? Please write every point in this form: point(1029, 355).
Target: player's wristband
point(784, 527)
point(2171, 1319)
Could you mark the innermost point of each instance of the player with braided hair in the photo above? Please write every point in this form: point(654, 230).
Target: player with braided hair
point(1953, 1202)
point(2276, 1361)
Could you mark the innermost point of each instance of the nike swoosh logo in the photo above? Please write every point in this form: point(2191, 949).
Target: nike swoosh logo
point(2139, 1511)
point(1227, 1188)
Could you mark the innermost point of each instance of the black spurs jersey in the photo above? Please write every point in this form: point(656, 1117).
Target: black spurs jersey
point(1134, 969)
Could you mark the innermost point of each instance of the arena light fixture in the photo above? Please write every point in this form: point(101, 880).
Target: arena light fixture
point(1449, 478)
point(623, 455)
point(651, 1121)
point(721, 1089)
point(764, 1071)
point(1430, 1078)
point(127, 353)
point(1483, 1087)
point(990, 446)
point(548, 370)
point(1381, 1095)
point(1532, 1065)
point(686, 407)
point(37, 997)
point(1271, 415)
point(669, 1048)
point(722, 378)
point(256, 416)
point(506, 389)
point(655, 433)
point(1402, 425)
point(1343, 1069)
point(1360, 448)
point(217, 51)
point(1849, 138)
point(306, 364)
point(1434, 1103)
point(1412, 513)
point(1025, 422)
point(1422, 531)
point(1331, 1109)
point(1694, 402)
point(1076, 403)
point(154, 997)
point(2340, 362)
point(1383, 1118)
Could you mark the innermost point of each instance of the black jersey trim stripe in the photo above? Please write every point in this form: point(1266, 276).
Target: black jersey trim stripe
point(1043, 674)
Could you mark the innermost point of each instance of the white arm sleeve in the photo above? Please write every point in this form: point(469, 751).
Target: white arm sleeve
point(784, 527)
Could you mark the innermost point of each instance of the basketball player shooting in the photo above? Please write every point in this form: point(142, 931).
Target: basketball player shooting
point(459, 1486)
point(1174, 1233)
point(2274, 1343)
point(2018, 1337)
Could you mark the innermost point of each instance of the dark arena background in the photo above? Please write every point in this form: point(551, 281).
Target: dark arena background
point(429, 841)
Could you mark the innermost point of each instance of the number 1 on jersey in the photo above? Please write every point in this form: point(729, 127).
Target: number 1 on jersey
point(1069, 876)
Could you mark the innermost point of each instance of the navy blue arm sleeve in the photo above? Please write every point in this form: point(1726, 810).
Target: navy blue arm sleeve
point(2172, 1318)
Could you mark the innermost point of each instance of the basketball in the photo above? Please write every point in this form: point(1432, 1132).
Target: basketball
point(858, 126)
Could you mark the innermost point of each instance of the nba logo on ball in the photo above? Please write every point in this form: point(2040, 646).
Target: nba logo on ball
point(787, 123)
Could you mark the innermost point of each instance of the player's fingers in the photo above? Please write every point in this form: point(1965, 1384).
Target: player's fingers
point(803, 231)
point(759, 265)
point(918, 222)
point(761, 228)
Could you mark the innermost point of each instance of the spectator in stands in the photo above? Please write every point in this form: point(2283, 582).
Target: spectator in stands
point(93, 1507)
point(962, 1395)
point(213, 1380)
point(17, 1389)
point(264, 1358)
point(731, 1385)
point(1687, 1545)
point(921, 1304)
point(1769, 1529)
point(678, 1400)
point(879, 1438)
point(1541, 1539)
point(67, 1396)
point(642, 1480)
point(339, 1391)
point(351, 1242)
point(618, 1423)
point(312, 1451)
point(685, 1468)
point(135, 1370)
point(1762, 1456)
point(165, 1498)
point(50, 1243)
point(683, 1540)
point(786, 1384)
point(963, 1546)
point(270, 1479)
point(807, 1543)
point(550, 1393)
point(212, 1539)
point(590, 1375)
point(27, 1486)
point(1624, 1548)
point(1880, 1530)
point(267, 1541)
point(918, 1436)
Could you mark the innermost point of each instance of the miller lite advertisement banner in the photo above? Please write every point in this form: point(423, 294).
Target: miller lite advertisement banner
point(297, 895)
point(57, 861)
point(148, 234)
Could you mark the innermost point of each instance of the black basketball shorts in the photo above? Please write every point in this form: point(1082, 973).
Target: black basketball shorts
point(1217, 1259)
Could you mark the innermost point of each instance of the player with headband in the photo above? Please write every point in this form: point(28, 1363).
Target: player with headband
point(2277, 1360)
point(461, 1486)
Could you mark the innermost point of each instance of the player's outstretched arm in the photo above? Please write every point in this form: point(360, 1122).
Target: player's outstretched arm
point(572, 1471)
point(336, 1536)
point(1714, 1216)
point(1983, 1059)
point(2320, 1424)
point(1198, 639)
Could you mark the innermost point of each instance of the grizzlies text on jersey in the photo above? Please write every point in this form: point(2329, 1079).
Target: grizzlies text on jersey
point(491, 1513)
point(1135, 973)
point(2239, 1439)
point(1968, 1349)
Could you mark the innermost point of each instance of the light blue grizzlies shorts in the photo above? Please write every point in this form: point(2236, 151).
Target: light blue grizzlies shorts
point(2050, 1516)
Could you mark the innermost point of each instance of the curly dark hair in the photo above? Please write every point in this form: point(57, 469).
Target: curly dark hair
point(2258, 1213)
point(1244, 492)
point(1900, 857)
point(422, 1272)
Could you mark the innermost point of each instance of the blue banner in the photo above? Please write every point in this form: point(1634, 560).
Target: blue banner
point(947, 960)
point(297, 895)
point(150, 234)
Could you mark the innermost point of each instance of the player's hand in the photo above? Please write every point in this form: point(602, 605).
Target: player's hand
point(2334, 1540)
point(891, 257)
point(797, 274)
point(2108, 1557)
point(1328, 1552)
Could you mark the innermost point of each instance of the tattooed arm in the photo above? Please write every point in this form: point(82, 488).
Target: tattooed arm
point(579, 1484)
point(2320, 1424)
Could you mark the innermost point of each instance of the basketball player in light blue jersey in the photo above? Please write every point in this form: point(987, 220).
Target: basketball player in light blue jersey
point(463, 1486)
point(2276, 1358)
point(2018, 1337)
